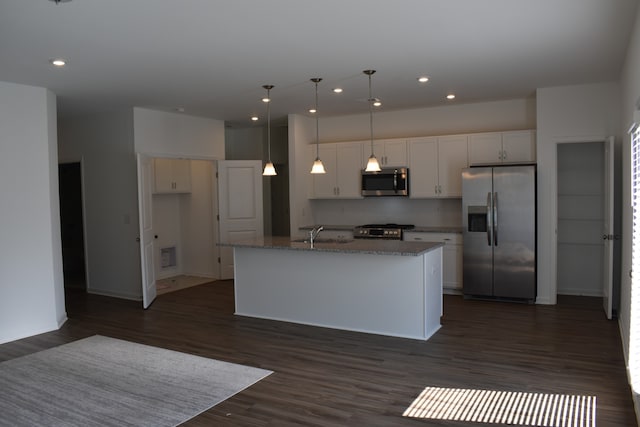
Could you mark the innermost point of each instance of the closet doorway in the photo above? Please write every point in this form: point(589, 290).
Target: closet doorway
point(72, 225)
point(584, 216)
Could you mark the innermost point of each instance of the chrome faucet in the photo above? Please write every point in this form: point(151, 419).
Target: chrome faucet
point(314, 233)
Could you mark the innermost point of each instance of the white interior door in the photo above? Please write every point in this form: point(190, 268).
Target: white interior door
point(147, 238)
point(239, 206)
point(608, 232)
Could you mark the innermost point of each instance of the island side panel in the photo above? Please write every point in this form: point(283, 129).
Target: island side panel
point(382, 294)
point(433, 291)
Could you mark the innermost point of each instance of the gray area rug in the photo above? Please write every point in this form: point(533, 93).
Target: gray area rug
point(100, 381)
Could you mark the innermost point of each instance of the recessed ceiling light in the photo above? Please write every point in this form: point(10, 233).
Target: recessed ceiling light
point(337, 90)
point(423, 79)
point(451, 96)
point(254, 118)
point(312, 110)
point(58, 62)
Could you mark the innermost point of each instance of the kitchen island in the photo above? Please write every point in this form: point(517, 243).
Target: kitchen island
point(383, 287)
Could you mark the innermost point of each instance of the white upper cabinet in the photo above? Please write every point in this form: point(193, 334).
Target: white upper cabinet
point(172, 175)
point(485, 148)
point(452, 158)
point(343, 163)
point(519, 146)
point(423, 168)
point(435, 166)
point(390, 153)
point(502, 147)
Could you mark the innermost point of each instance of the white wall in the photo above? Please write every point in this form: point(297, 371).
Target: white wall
point(245, 143)
point(104, 142)
point(581, 113)
point(301, 134)
point(162, 134)
point(199, 253)
point(187, 221)
point(513, 114)
point(450, 119)
point(630, 89)
point(32, 286)
point(166, 225)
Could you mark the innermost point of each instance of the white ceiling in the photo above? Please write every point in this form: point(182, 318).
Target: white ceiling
point(212, 57)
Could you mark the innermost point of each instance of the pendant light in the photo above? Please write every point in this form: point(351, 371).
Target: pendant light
point(269, 169)
point(317, 167)
point(372, 164)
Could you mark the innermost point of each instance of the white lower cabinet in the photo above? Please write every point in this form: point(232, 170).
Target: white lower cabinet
point(451, 256)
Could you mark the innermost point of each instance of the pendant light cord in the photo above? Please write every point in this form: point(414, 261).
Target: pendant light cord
point(317, 126)
point(371, 114)
point(269, 123)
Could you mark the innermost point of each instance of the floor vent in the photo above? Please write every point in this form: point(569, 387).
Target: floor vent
point(504, 407)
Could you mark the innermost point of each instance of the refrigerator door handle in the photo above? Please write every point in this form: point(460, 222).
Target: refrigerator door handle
point(495, 219)
point(489, 219)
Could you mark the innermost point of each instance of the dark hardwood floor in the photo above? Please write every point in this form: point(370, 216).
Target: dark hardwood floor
point(325, 377)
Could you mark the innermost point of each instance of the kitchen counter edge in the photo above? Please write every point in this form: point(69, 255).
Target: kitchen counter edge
point(418, 228)
point(361, 246)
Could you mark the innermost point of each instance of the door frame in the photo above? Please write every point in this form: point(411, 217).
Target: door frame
point(553, 277)
point(214, 169)
point(68, 160)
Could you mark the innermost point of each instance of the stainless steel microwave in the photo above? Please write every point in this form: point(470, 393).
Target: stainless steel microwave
point(387, 182)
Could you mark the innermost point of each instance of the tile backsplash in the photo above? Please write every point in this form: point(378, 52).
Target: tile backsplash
point(421, 212)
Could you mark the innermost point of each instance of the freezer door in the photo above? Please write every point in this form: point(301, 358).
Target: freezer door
point(477, 253)
point(514, 262)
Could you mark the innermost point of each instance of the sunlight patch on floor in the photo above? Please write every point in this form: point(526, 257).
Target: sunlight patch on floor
point(504, 407)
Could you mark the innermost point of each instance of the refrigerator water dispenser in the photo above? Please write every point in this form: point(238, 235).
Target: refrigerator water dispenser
point(477, 219)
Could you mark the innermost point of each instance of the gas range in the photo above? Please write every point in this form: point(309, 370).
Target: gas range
point(381, 231)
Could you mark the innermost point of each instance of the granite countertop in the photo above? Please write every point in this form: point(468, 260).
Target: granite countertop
point(438, 229)
point(362, 246)
point(418, 228)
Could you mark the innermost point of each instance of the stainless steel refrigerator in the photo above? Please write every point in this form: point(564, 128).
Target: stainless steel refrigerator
point(499, 232)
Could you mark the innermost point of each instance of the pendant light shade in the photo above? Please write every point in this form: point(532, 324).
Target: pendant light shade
point(372, 164)
point(269, 169)
point(317, 167)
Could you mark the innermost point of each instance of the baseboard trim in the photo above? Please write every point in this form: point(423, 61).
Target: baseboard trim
point(114, 294)
point(636, 405)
